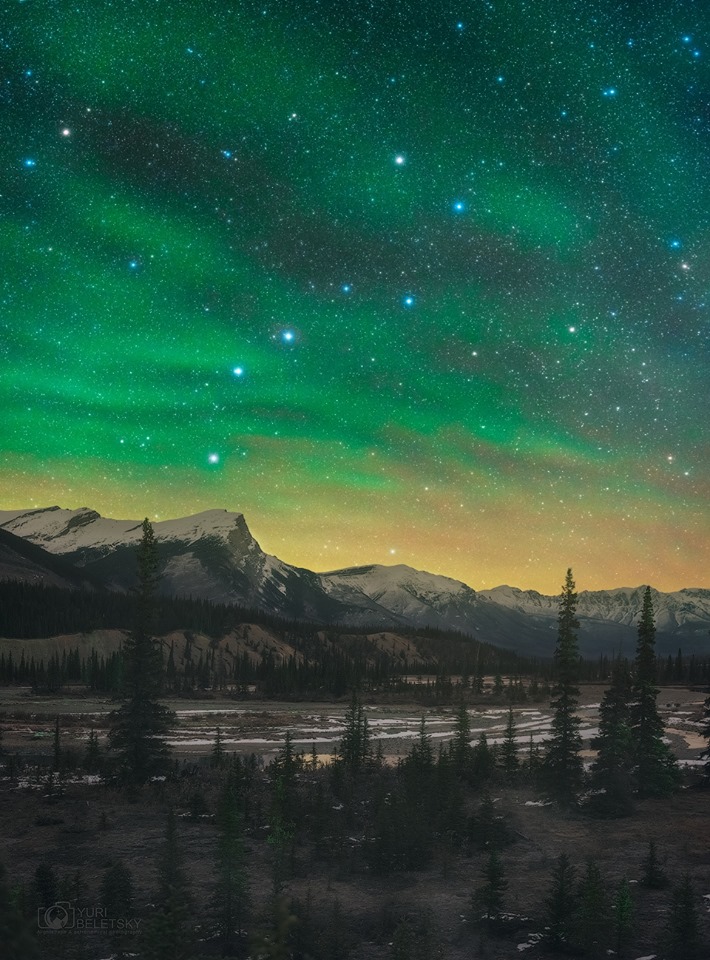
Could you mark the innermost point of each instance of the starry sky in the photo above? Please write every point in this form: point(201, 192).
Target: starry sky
point(403, 282)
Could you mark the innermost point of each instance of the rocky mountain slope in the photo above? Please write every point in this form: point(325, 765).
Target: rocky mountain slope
point(214, 556)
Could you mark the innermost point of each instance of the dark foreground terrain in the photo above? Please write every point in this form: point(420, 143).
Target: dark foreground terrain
point(361, 859)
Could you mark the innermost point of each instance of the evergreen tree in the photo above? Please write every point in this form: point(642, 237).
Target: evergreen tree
point(611, 771)
point(57, 748)
point(18, 943)
point(562, 762)
point(483, 760)
point(217, 756)
point(592, 919)
point(44, 890)
point(561, 905)
point(508, 755)
point(354, 749)
point(139, 726)
point(460, 745)
point(656, 770)
point(169, 932)
point(654, 877)
point(231, 889)
point(623, 918)
point(683, 933)
point(92, 754)
point(117, 891)
point(490, 895)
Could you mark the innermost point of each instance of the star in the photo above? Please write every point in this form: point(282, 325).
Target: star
point(66, 132)
point(400, 160)
point(288, 336)
point(459, 206)
point(238, 371)
point(408, 300)
point(29, 162)
point(213, 458)
point(346, 288)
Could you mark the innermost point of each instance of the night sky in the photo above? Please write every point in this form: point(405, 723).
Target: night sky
point(422, 283)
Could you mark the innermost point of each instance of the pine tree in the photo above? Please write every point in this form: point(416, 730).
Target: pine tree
point(611, 771)
point(92, 754)
point(117, 891)
point(656, 770)
point(623, 918)
point(654, 877)
point(231, 889)
point(593, 915)
point(561, 905)
point(460, 745)
point(57, 748)
point(508, 755)
point(683, 933)
point(217, 756)
point(490, 895)
point(562, 762)
point(139, 726)
point(354, 749)
point(169, 932)
point(18, 943)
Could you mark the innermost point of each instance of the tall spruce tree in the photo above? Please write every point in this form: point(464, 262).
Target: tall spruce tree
point(611, 771)
point(17, 939)
point(490, 895)
point(139, 726)
point(592, 922)
point(230, 899)
point(656, 770)
point(355, 748)
point(683, 930)
point(508, 754)
point(170, 932)
point(562, 763)
point(561, 905)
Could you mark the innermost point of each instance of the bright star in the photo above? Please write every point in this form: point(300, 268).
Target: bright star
point(29, 162)
point(408, 300)
point(238, 371)
point(572, 329)
point(675, 244)
point(400, 160)
point(213, 458)
point(346, 288)
point(288, 336)
point(459, 206)
point(227, 154)
point(133, 264)
point(610, 92)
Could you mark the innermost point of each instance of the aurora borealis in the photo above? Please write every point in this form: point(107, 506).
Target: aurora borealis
point(402, 282)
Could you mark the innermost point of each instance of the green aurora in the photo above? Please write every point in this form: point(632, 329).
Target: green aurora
point(402, 282)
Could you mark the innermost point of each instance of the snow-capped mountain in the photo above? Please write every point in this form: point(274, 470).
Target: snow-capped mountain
point(214, 556)
point(683, 608)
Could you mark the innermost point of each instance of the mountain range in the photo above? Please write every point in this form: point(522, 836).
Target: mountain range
point(213, 555)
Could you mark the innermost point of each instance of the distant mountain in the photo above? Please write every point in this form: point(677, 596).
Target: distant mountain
point(22, 560)
point(213, 555)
